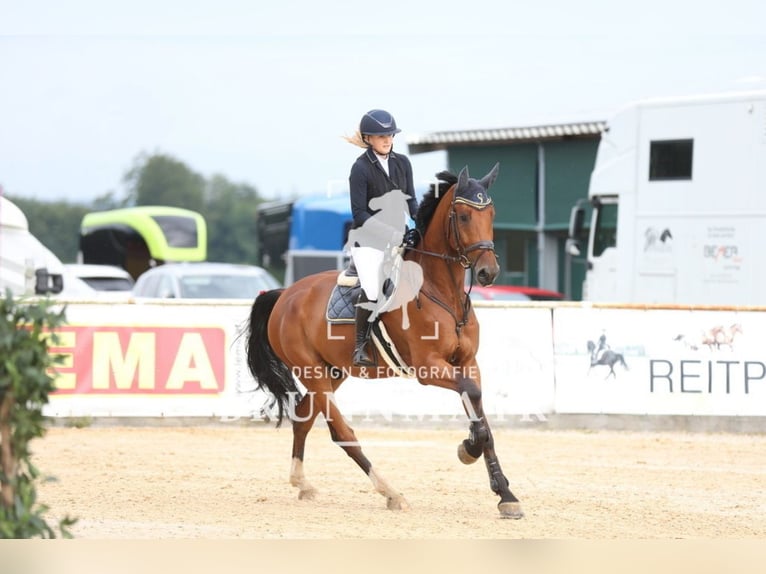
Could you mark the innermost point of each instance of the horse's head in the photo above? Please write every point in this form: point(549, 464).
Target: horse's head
point(472, 215)
point(465, 214)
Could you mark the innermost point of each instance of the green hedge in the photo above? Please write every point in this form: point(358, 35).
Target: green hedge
point(25, 383)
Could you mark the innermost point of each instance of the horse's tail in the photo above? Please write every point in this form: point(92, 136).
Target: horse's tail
point(268, 369)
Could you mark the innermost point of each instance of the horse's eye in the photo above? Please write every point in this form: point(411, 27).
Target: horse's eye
point(464, 218)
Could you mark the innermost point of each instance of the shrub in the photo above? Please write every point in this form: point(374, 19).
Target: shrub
point(25, 383)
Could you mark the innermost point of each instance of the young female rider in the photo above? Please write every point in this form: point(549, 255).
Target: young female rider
point(374, 174)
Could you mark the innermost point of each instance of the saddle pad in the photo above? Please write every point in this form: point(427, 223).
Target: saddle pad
point(340, 306)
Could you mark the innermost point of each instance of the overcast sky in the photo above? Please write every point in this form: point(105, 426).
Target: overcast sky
point(261, 92)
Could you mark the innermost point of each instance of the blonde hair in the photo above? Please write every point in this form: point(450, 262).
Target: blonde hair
point(357, 139)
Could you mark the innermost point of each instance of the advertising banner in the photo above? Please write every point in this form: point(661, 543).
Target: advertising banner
point(155, 360)
point(164, 359)
point(653, 361)
point(181, 359)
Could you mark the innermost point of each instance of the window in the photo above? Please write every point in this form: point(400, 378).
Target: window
point(165, 288)
point(605, 233)
point(515, 262)
point(670, 159)
point(179, 231)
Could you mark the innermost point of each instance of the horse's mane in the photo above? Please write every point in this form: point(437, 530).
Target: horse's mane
point(432, 197)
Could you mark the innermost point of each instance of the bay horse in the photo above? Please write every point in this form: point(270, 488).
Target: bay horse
point(288, 337)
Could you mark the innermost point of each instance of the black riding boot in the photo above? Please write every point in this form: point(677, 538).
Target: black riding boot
point(363, 327)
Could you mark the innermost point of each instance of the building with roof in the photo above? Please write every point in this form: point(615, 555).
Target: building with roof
point(544, 171)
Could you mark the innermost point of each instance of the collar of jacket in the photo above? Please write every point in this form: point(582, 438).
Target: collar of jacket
point(370, 153)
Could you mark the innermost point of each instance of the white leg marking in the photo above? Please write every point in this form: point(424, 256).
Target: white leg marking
point(394, 500)
point(297, 479)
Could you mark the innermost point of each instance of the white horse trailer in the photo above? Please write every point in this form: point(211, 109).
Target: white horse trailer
point(678, 197)
point(27, 267)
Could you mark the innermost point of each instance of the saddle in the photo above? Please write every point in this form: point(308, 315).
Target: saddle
point(341, 309)
point(341, 306)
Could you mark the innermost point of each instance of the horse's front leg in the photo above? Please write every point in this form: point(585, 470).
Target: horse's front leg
point(480, 441)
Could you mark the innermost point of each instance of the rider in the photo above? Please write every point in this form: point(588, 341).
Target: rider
point(602, 347)
point(374, 173)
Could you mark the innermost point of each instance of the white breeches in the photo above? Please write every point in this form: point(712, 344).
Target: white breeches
point(368, 262)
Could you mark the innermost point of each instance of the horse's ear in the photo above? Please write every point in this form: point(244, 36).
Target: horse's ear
point(462, 178)
point(487, 181)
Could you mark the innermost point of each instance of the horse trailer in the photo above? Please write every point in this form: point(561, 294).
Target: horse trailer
point(139, 238)
point(678, 204)
point(27, 267)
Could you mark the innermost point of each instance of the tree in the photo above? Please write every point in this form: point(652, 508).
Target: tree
point(229, 208)
point(230, 213)
point(56, 224)
point(108, 201)
point(163, 180)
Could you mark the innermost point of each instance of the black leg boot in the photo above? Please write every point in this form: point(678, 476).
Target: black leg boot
point(363, 327)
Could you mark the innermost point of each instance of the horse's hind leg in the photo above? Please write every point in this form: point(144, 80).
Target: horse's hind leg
point(303, 419)
point(343, 435)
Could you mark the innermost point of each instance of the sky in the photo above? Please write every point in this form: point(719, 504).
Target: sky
point(263, 92)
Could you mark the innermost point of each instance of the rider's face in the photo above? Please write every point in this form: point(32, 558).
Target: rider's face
point(381, 145)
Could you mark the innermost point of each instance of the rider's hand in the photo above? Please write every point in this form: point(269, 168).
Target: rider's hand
point(411, 237)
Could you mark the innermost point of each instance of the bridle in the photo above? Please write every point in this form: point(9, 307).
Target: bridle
point(462, 250)
point(462, 253)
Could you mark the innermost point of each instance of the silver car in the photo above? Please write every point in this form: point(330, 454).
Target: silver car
point(102, 277)
point(204, 280)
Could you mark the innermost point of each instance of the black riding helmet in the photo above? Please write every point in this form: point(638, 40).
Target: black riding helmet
point(378, 123)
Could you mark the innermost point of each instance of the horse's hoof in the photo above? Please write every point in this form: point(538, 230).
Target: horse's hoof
point(397, 503)
point(307, 494)
point(510, 510)
point(463, 455)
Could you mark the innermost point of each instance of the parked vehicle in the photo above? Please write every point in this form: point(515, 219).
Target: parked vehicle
point(513, 293)
point(139, 238)
point(102, 277)
point(27, 267)
point(204, 280)
point(678, 204)
point(76, 288)
point(306, 235)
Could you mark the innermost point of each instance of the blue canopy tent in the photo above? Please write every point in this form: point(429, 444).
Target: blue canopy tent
point(320, 222)
point(319, 226)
